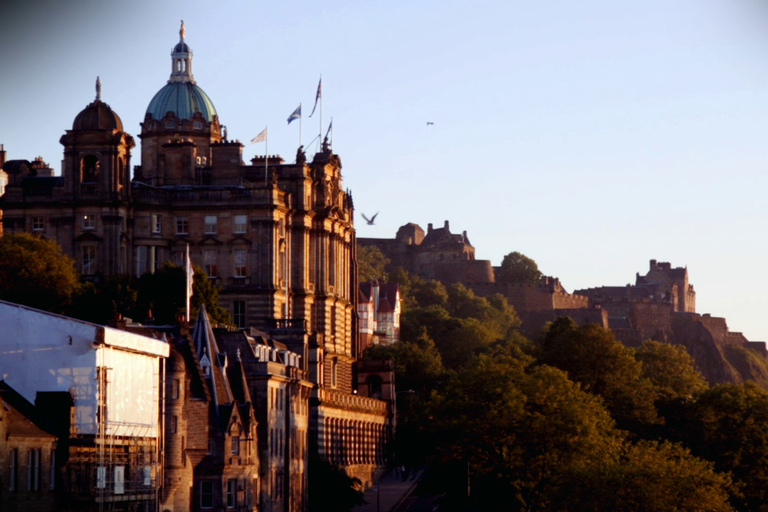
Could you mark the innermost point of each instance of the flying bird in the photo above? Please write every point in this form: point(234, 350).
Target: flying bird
point(369, 221)
point(430, 123)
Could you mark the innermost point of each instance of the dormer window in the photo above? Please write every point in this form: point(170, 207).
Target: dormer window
point(170, 125)
point(197, 125)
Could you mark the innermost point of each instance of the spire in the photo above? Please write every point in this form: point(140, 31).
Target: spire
point(98, 89)
point(181, 59)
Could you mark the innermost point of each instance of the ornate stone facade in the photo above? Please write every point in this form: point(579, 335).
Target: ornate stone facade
point(278, 237)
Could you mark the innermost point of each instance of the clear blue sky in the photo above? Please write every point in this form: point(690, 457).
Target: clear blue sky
point(592, 136)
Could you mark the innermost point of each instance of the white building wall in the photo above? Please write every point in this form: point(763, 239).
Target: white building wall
point(44, 352)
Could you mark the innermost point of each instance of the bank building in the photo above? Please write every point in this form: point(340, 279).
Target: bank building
point(279, 238)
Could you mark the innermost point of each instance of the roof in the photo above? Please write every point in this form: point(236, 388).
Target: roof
point(23, 417)
point(97, 116)
point(183, 99)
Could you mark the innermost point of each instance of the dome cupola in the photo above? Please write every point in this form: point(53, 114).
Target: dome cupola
point(181, 95)
point(97, 115)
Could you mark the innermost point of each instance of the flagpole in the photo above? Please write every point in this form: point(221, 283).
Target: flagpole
point(266, 157)
point(299, 124)
point(321, 107)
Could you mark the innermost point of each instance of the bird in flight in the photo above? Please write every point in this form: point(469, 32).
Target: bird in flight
point(370, 221)
point(430, 123)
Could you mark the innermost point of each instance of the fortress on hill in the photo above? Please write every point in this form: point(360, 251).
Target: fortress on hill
point(661, 305)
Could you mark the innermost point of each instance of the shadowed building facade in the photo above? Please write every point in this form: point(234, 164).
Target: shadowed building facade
point(278, 237)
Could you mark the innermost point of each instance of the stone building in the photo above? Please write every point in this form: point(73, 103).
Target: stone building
point(27, 456)
point(278, 237)
point(378, 310)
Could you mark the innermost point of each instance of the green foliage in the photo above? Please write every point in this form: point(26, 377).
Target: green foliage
point(728, 425)
point(331, 489)
point(102, 301)
point(371, 263)
point(603, 366)
point(516, 427)
point(518, 268)
point(164, 293)
point(34, 272)
point(671, 370)
point(646, 477)
point(748, 363)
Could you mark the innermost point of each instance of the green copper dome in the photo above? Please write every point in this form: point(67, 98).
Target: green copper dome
point(183, 99)
point(181, 95)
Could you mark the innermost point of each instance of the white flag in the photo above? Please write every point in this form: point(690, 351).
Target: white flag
point(260, 137)
point(190, 281)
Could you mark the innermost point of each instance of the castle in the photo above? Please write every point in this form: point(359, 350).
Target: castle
point(279, 238)
point(661, 305)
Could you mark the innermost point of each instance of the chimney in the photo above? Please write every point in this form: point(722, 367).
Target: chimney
point(429, 227)
point(446, 225)
point(2, 154)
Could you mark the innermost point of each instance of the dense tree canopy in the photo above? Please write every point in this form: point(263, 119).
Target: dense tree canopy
point(34, 272)
point(518, 268)
point(516, 427)
point(671, 370)
point(603, 366)
point(371, 263)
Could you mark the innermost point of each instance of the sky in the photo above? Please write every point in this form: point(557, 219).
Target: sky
point(591, 136)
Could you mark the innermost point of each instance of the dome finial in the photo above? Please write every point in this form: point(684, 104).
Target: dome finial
point(98, 89)
point(182, 30)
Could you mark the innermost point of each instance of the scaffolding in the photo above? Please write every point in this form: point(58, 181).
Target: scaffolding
point(119, 468)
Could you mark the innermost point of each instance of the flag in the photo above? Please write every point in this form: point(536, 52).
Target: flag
point(318, 95)
point(190, 281)
point(330, 127)
point(296, 114)
point(260, 137)
point(190, 275)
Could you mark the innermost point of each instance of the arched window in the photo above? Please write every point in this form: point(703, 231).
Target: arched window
point(89, 169)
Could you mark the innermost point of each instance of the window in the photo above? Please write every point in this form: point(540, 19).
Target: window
point(13, 478)
point(334, 371)
point(211, 223)
point(142, 260)
point(241, 222)
point(157, 223)
point(182, 225)
point(89, 221)
point(175, 389)
point(38, 223)
point(238, 313)
point(206, 494)
point(89, 260)
point(52, 476)
point(235, 445)
point(197, 125)
point(33, 469)
point(174, 424)
point(240, 257)
point(232, 493)
point(210, 259)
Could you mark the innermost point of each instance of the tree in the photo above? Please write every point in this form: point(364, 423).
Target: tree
point(728, 425)
point(164, 294)
point(515, 427)
point(518, 268)
point(646, 477)
point(34, 272)
point(371, 263)
point(331, 489)
point(603, 366)
point(671, 369)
